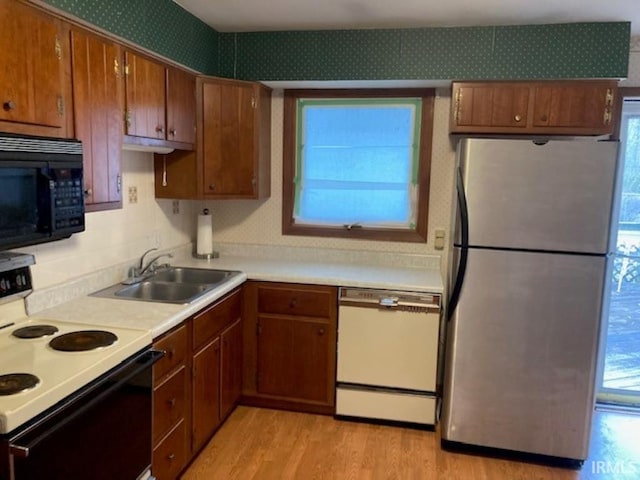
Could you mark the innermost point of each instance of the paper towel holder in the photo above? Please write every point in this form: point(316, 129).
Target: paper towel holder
point(208, 255)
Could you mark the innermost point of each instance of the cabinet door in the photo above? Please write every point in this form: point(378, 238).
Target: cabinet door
point(206, 393)
point(574, 106)
point(181, 106)
point(97, 90)
point(229, 153)
point(33, 84)
point(296, 359)
point(230, 368)
point(487, 105)
point(145, 97)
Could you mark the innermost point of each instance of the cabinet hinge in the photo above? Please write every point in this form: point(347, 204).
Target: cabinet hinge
point(126, 69)
point(118, 183)
point(254, 104)
point(607, 116)
point(608, 99)
point(116, 67)
point(60, 106)
point(58, 48)
point(258, 329)
point(127, 118)
point(458, 106)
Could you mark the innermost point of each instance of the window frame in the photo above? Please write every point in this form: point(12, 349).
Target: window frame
point(290, 139)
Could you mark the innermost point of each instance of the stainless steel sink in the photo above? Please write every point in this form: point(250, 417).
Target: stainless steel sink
point(172, 285)
point(192, 275)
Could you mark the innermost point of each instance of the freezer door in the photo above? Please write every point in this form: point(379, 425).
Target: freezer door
point(556, 196)
point(521, 353)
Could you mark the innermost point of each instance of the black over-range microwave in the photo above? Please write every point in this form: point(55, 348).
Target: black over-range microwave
point(41, 195)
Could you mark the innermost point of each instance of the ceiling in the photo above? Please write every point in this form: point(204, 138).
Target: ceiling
point(266, 15)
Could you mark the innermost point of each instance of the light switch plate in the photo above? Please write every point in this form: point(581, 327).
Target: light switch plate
point(438, 243)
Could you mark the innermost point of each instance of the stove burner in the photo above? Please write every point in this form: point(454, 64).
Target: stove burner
point(17, 382)
point(35, 331)
point(83, 340)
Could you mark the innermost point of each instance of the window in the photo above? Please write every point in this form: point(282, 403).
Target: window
point(357, 163)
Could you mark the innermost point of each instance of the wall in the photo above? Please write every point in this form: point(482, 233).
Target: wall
point(633, 79)
point(116, 236)
point(253, 222)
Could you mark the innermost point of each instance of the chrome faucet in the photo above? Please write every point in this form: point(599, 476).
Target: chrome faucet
point(142, 271)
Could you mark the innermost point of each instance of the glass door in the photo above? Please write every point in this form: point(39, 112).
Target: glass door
point(619, 359)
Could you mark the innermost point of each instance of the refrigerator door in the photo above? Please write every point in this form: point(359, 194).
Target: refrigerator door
point(521, 353)
point(555, 197)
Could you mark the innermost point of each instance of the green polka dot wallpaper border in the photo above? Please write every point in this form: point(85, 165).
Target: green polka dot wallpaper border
point(575, 50)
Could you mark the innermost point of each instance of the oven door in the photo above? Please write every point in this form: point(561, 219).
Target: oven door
point(101, 432)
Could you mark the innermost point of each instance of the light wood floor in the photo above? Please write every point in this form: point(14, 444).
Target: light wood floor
point(261, 444)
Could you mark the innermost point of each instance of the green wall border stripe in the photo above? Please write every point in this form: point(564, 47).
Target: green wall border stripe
point(570, 50)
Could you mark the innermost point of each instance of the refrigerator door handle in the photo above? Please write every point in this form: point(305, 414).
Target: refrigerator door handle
point(464, 245)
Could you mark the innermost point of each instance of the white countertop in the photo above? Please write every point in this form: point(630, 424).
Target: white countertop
point(161, 317)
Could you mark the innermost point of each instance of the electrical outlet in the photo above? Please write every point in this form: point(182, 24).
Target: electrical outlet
point(176, 207)
point(133, 194)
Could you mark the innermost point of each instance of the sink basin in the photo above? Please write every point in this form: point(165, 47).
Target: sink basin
point(192, 275)
point(163, 291)
point(172, 285)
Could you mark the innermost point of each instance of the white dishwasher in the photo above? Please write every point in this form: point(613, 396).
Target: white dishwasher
point(387, 355)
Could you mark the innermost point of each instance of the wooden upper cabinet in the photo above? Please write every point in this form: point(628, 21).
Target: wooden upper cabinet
point(97, 92)
point(145, 97)
point(484, 105)
point(181, 106)
point(235, 139)
point(588, 106)
point(553, 108)
point(35, 94)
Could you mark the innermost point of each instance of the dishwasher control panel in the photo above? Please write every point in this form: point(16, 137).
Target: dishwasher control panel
point(390, 299)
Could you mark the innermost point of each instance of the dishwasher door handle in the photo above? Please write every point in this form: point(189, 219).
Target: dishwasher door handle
point(388, 302)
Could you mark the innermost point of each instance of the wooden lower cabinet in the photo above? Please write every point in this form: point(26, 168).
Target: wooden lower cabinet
point(197, 383)
point(206, 392)
point(290, 346)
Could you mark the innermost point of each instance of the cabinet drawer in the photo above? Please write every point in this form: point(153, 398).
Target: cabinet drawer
point(170, 456)
point(288, 300)
point(169, 399)
point(209, 323)
point(175, 346)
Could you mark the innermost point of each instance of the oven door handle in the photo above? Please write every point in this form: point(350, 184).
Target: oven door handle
point(146, 358)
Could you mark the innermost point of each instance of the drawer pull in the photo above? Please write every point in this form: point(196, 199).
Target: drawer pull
point(171, 457)
point(292, 303)
point(321, 331)
point(517, 118)
point(9, 105)
point(172, 402)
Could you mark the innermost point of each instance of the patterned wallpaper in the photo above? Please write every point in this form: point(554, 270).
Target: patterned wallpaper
point(576, 50)
point(258, 222)
point(158, 25)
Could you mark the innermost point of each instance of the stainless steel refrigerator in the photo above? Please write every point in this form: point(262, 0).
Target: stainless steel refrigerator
point(529, 262)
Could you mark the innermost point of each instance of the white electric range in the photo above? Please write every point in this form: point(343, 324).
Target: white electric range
point(50, 375)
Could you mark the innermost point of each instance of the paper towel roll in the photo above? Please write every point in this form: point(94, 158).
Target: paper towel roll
point(204, 243)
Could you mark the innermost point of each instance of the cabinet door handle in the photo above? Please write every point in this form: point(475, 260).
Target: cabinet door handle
point(9, 105)
point(171, 353)
point(543, 118)
point(160, 129)
point(212, 187)
point(321, 331)
point(88, 192)
point(171, 457)
point(172, 402)
point(517, 118)
point(173, 132)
